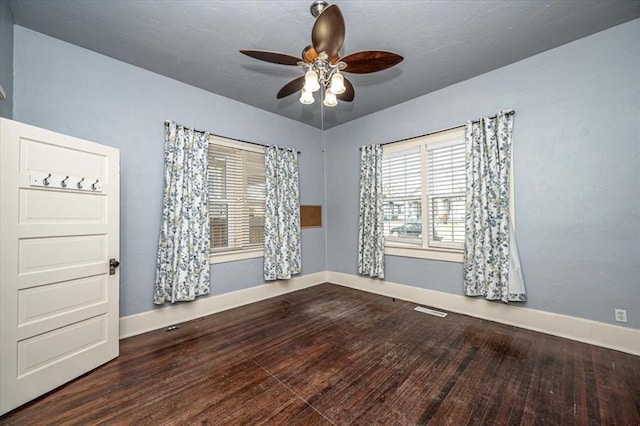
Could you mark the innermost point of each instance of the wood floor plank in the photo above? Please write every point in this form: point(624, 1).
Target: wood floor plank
point(330, 355)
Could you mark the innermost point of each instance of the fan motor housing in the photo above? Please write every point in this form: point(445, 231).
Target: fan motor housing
point(317, 7)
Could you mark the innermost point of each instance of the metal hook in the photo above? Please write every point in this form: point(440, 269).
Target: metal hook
point(63, 182)
point(93, 185)
point(45, 181)
point(79, 184)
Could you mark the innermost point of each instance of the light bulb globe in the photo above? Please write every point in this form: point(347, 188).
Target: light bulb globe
point(306, 98)
point(330, 99)
point(311, 83)
point(337, 86)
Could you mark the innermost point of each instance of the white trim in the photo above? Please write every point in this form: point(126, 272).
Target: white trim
point(232, 256)
point(133, 325)
point(423, 253)
point(593, 332)
point(232, 143)
point(441, 138)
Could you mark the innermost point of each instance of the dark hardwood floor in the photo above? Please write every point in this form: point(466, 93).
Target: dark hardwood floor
point(333, 355)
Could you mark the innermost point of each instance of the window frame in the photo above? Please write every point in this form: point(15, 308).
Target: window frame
point(231, 255)
point(425, 251)
point(439, 253)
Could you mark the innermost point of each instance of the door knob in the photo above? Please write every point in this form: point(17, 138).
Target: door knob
point(113, 264)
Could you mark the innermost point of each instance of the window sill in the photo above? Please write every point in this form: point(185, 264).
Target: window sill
point(232, 256)
point(422, 253)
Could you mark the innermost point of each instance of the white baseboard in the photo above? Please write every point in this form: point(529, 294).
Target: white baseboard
point(593, 332)
point(160, 318)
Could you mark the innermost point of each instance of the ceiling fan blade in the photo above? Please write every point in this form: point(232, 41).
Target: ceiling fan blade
point(291, 87)
point(370, 61)
point(328, 31)
point(274, 57)
point(348, 94)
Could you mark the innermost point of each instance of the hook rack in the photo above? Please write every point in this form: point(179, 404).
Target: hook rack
point(60, 181)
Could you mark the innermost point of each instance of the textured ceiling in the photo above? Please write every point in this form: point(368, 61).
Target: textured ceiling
point(197, 42)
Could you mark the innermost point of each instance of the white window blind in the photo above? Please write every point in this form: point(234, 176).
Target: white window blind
point(446, 195)
point(402, 190)
point(236, 197)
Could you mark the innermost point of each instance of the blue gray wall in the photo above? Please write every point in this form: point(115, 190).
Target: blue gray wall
point(577, 173)
point(6, 58)
point(577, 161)
point(65, 88)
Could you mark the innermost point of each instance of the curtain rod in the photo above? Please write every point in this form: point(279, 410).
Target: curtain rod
point(220, 136)
point(507, 112)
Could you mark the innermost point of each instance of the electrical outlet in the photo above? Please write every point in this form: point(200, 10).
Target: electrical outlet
point(621, 315)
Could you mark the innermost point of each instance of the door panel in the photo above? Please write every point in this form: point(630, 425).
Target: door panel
point(58, 303)
point(43, 350)
point(46, 254)
point(71, 208)
point(42, 303)
point(39, 155)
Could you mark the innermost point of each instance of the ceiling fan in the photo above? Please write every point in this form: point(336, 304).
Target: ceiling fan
point(323, 62)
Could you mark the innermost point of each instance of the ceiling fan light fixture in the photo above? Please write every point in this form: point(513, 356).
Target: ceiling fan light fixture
point(306, 97)
point(337, 86)
point(311, 83)
point(330, 99)
point(321, 61)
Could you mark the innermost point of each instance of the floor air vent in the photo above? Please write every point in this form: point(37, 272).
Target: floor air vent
point(430, 311)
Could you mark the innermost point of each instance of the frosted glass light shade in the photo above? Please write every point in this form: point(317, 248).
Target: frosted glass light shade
point(337, 84)
point(311, 83)
point(330, 99)
point(306, 97)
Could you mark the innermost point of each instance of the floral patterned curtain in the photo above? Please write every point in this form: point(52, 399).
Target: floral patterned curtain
point(370, 235)
point(282, 249)
point(491, 262)
point(182, 271)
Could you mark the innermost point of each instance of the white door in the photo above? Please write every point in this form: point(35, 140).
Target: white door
point(58, 301)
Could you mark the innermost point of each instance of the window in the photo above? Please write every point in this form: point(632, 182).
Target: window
point(236, 199)
point(423, 182)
